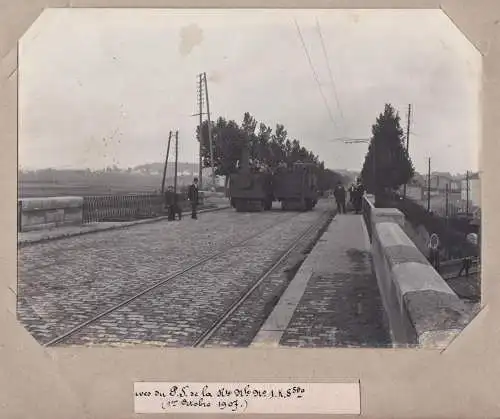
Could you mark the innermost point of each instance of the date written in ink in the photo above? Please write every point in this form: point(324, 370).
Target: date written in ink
point(248, 392)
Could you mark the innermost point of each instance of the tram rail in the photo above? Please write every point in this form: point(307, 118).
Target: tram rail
point(200, 341)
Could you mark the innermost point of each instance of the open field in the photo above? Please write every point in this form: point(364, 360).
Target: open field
point(94, 185)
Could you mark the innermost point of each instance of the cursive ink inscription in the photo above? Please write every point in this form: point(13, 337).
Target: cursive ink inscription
point(223, 398)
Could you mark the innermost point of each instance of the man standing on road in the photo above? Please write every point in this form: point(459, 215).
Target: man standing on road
point(359, 191)
point(193, 197)
point(434, 247)
point(339, 194)
point(468, 252)
point(172, 205)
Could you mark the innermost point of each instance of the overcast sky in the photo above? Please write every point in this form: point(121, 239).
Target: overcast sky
point(105, 86)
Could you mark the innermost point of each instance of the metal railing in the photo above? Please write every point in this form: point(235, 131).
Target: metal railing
point(127, 207)
point(122, 207)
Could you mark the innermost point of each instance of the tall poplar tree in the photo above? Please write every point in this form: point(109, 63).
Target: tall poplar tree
point(387, 164)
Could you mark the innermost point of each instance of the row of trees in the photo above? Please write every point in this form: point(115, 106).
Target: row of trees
point(265, 148)
point(387, 164)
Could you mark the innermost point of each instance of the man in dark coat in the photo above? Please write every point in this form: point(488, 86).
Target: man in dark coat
point(351, 196)
point(193, 198)
point(172, 205)
point(469, 252)
point(339, 194)
point(358, 197)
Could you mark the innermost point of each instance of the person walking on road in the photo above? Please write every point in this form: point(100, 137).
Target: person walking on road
point(172, 205)
point(339, 194)
point(466, 265)
point(434, 248)
point(351, 191)
point(193, 198)
point(357, 196)
point(468, 252)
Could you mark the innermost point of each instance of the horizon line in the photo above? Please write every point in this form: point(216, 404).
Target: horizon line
point(26, 169)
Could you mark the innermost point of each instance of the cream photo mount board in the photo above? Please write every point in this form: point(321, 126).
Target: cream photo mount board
point(98, 382)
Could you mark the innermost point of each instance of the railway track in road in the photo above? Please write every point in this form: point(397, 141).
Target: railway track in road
point(183, 275)
point(210, 332)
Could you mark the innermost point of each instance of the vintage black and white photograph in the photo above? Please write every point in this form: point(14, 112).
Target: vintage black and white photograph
point(248, 178)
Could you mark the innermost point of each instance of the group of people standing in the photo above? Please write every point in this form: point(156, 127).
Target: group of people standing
point(172, 204)
point(356, 192)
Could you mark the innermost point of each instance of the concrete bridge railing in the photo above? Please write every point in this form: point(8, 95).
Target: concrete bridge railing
point(422, 310)
point(50, 212)
point(42, 213)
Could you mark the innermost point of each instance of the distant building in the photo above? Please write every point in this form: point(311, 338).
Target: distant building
point(474, 194)
point(439, 182)
point(417, 188)
point(415, 192)
point(414, 189)
point(455, 186)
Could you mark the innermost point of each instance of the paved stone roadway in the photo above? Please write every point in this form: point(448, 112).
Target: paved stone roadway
point(240, 329)
point(65, 282)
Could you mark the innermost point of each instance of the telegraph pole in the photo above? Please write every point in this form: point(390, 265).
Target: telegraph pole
point(467, 191)
point(209, 130)
point(200, 136)
point(447, 216)
point(165, 167)
point(408, 129)
point(374, 168)
point(447, 192)
point(407, 140)
point(176, 159)
point(429, 187)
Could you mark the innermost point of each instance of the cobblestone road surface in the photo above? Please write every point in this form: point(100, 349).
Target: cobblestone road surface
point(66, 282)
point(245, 322)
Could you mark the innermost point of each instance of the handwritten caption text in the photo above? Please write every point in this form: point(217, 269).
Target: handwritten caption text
point(341, 398)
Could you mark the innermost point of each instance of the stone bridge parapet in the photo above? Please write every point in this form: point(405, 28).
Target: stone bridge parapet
point(422, 310)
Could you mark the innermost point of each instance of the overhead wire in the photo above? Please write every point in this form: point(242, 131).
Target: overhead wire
point(330, 72)
point(315, 75)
